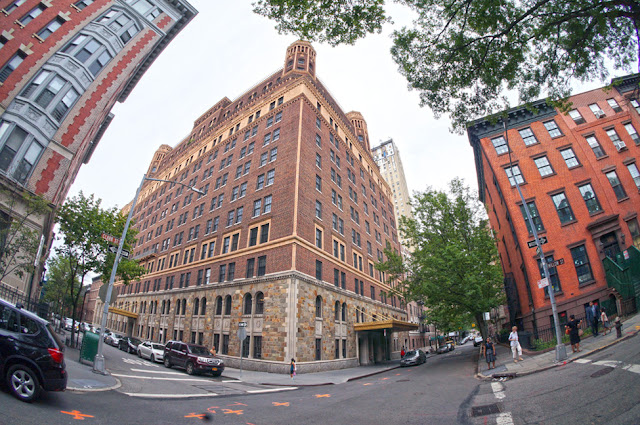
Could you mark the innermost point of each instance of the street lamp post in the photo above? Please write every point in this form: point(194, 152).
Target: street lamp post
point(561, 352)
point(98, 362)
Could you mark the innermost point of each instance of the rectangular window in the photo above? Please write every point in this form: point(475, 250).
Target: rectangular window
point(552, 128)
point(514, 175)
point(318, 347)
point(318, 209)
point(318, 183)
point(270, 177)
point(319, 238)
point(257, 347)
point(569, 158)
point(500, 144)
point(231, 273)
point(257, 206)
point(533, 212)
point(318, 161)
point(632, 133)
point(50, 28)
point(527, 136)
point(222, 273)
point(267, 204)
point(264, 233)
point(577, 118)
point(615, 139)
point(614, 105)
point(10, 66)
point(318, 269)
point(563, 208)
point(599, 113)
point(553, 275)
point(590, 198)
point(616, 185)
point(262, 265)
point(250, 265)
point(34, 13)
point(595, 146)
point(581, 263)
point(635, 175)
point(543, 166)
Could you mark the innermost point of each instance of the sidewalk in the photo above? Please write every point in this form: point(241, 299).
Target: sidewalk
point(536, 362)
point(82, 377)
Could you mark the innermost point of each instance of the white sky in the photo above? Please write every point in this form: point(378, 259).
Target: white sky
point(225, 50)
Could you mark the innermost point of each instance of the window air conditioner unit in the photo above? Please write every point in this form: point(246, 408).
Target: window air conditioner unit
point(599, 114)
point(620, 145)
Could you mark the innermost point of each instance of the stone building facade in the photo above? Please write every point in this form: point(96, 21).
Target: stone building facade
point(63, 65)
point(578, 173)
point(294, 217)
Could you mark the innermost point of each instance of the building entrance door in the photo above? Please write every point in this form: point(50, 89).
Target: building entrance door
point(610, 245)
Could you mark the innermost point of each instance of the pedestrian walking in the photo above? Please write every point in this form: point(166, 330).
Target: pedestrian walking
point(515, 344)
point(573, 327)
point(593, 317)
point(605, 322)
point(292, 369)
point(489, 352)
point(402, 353)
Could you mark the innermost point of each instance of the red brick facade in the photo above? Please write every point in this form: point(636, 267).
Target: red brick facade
point(559, 172)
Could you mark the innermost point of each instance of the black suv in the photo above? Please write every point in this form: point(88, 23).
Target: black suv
point(192, 357)
point(31, 355)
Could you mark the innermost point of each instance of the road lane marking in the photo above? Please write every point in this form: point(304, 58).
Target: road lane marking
point(157, 378)
point(610, 363)
point(271, 390)
point(156, 371)
point(582, 361)
point(498, 390)
point(504, 419)
point(632, 368)
point(147, 395)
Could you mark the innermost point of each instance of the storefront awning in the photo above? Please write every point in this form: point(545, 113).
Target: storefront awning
point(122, 312)
point(392, 324)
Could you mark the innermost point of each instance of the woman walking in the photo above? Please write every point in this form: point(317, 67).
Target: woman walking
point(516, 348)
point(573, 326)
point(292, 370)
point(605, 321)
point(489, 351)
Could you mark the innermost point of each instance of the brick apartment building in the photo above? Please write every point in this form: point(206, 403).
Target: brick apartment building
point(578, 173)
point(63, 65)
point(294, 218)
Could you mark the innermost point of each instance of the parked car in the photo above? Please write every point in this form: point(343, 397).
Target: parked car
point(477, 340)
point(129, 344)
point(192, 357)
point(414, 357)
point(31, 355)
point(152, 351)
point(445, 347)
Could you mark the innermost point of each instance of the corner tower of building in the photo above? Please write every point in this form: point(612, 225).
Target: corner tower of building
point(300, 58)
point(360, 129)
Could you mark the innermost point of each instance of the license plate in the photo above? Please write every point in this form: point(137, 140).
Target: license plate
point(215, 369)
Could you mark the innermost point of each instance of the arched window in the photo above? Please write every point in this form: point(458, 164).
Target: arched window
point(357, 314)
point(218, 305)
point(196, 306)
point(344, 312)
point(164, 305)
point(178, 307)
point(259, 303)
point(184, 306)
point(318, 306)
point(168, 306)
point(337, 311)
point(203, 306)
point(247, 304)
point(227, 305)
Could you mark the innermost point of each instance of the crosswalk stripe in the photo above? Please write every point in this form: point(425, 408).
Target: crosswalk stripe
point(166, 372)
point(610, 363)
point(632, 368)
point(157, 378)
point(504, 419)
point(582, 361)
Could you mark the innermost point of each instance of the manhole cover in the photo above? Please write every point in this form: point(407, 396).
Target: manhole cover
point(601, 372)
point(489, 409)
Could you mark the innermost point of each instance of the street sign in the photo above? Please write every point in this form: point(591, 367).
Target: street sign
point(242, 324)
point(556, 263)
point(114, 249)
point(111, 239)
point(242, 333)
point(102, 293)
point(542, 239)
point(542, 283)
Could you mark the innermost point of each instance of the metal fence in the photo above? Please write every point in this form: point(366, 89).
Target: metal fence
point(14, 296)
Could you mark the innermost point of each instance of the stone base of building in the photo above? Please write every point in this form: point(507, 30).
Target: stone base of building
point(284, 367)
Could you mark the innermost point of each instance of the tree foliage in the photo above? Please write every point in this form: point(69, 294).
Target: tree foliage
point(19, 240)
point(82, 222)
point(454, 268)
point(56, 287)
point(464, 55)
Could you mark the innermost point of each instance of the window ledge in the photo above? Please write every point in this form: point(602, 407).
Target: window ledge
point(548, 175)
point(593, 214)
point(568, 223)
point(575, 166)
point(602, 157)
point(587, 283)
point(623, 199)
point(557, 294)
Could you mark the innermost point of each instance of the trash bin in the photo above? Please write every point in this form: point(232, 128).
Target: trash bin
point(89, 347)
point(525, 339)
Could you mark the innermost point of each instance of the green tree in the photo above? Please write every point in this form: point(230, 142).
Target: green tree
point(19, 240)
point(454, 268)
point(82, 222)
point(56, 287)
point(463, 55)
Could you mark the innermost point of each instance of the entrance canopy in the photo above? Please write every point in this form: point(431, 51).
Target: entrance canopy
point(122, 312)
point(392, 324)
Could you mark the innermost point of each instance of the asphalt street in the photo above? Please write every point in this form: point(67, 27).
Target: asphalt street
point(600, 389)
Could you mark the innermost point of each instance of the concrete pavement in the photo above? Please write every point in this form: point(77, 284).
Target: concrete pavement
point(538, 361)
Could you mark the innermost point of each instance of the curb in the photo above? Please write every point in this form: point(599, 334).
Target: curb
point(117, 385)
point(564, 363)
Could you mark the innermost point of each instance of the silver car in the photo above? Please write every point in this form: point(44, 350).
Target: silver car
point(152, 351)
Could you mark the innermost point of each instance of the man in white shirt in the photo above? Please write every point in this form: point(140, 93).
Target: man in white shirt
point(515, 344)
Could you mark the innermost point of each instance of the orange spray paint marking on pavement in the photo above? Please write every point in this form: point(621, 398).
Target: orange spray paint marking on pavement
point(275, 403)
point(77, 415)
point(368, 383)
point(383, 379)
point(229, 411)
point(322, 395)
point(195, 415)
point(212, 409)
point(237, 404)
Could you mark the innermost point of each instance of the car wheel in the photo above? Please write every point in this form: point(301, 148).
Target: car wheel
point(190, 369)
point(152, 358)
point(167, 362)
point(23, 383)
point(139, 354)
